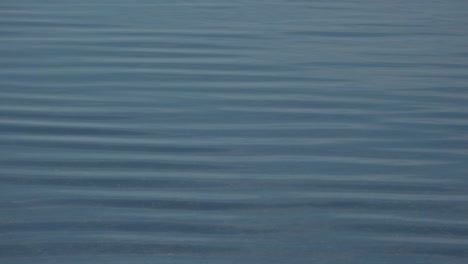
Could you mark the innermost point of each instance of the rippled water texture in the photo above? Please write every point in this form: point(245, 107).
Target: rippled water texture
point(215, 132)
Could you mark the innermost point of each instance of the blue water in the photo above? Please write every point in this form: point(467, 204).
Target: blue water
point(281, 131)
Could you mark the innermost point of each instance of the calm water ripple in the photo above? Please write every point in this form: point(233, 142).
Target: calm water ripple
point(233, 131)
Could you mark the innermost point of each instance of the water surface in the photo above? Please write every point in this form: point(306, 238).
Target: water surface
point(280, 131)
